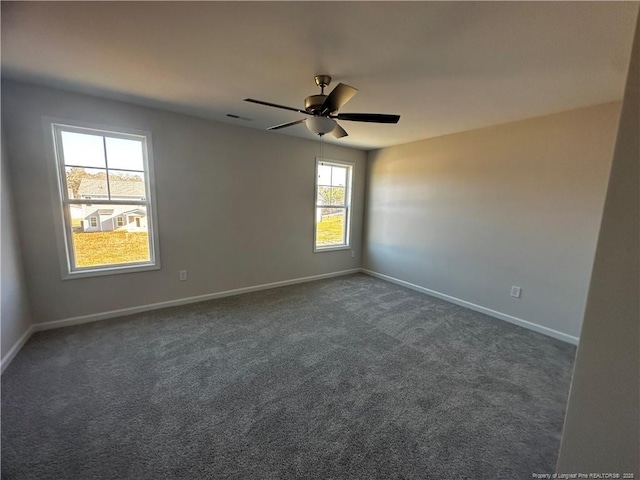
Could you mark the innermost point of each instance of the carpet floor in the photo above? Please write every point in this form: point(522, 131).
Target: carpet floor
point(345, 378)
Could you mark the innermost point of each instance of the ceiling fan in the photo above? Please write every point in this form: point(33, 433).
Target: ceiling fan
point(323, 110)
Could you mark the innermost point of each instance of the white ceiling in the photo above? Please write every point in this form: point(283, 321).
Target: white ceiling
point(443, 66)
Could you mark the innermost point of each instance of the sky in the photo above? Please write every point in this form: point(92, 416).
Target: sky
point(86, 150)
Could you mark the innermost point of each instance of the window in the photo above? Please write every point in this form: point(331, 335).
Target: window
point(104, 177)
point(333, 205)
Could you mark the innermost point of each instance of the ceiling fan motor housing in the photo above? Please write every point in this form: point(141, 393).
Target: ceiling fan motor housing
point(313, 103)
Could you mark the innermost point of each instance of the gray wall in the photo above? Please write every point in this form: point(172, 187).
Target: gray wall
point(601, 431)
point(14, 310)
point(235, 205)
point(471, 214)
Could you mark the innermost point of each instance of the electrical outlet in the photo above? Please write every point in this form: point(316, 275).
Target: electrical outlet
point(353, 254)
point(516, 291)
point(183, 275)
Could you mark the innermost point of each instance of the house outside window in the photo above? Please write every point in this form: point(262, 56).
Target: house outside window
point(334, 180)
point(107, 210)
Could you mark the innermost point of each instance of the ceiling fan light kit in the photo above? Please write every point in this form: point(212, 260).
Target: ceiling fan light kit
point(321, 125)
point(323, 110)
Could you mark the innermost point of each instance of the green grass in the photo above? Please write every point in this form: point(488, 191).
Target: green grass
point(329, 231)
point(114, 248)
point(110, 248)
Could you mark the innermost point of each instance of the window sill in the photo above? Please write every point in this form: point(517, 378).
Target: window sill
point(331, 248)
point(99, 272)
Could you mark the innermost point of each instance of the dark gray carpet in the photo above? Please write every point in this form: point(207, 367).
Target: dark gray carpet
point(346, 378)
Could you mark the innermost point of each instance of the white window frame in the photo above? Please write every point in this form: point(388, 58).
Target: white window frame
point(93, 219)
point(60, 196)
point(119, 221)
point(347, 206)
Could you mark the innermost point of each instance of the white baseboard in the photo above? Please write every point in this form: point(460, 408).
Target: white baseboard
point(182, 301)
point(13, 351)
point(478, 308)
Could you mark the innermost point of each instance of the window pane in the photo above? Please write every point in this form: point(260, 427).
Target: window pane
point(324, 195)
point(83, 149)
point(339, 177)
point(126, 185)
point(330, 223)
point(98, 240)
point(324, 175)
point(124, 154)
point(337, 196)
point(86, 182)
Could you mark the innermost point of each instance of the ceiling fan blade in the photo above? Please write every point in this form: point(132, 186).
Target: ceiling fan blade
point(339, 132)
point(368, 117)
point(338, 97)
point(269, 104)
point(285, 125)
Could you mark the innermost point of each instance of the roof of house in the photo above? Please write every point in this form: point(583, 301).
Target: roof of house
point(135, 212)
point(118, 188)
